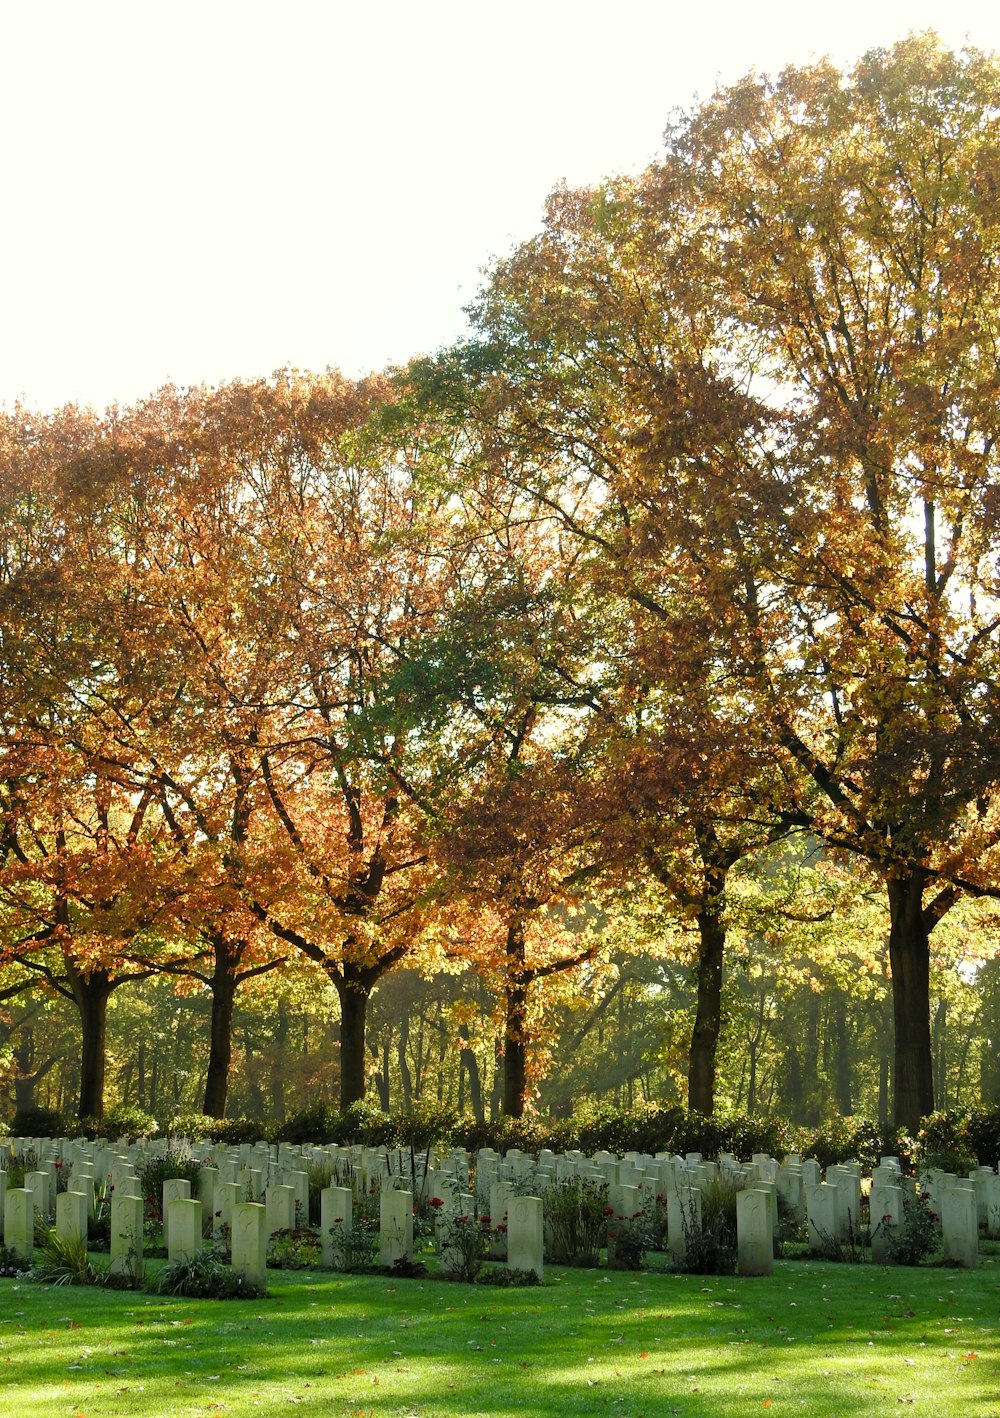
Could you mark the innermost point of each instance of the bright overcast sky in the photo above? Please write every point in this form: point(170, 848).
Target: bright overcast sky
point(200, 191)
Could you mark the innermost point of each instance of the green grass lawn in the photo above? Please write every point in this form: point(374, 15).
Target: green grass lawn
point(815, 1338)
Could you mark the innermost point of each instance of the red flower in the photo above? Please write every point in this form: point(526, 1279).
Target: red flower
point(609, 1211)
point(436, 1201)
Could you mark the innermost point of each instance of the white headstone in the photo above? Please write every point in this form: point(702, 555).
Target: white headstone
point(336, 1222)
point(959, 1226)
point(127, 1215)
point(185, 1228)
point(19, 1222)
point(754, 1232)
point(524, 1235)
point(249, 1248)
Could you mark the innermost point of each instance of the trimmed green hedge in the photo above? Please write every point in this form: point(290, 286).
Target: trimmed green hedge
point(958, 1135)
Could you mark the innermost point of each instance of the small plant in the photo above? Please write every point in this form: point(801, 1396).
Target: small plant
point(321, 1175)
point(790, 1231)
point(204, 1277)
point(576, 1218)
point(58, 1261)
point(294, 1249)
point(464, 1246)
point(501, 1277)
point(916, 1237)
point(19, 1165)
point(12, 1267)
point(847, 1250)
point(358, 1251)
point(162, 1168)
point(710, 1242)
point(629, 1239)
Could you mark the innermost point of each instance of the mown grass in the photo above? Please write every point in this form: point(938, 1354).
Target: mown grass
point(814, 1338)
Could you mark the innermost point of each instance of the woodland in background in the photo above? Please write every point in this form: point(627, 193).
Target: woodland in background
point(606, 708)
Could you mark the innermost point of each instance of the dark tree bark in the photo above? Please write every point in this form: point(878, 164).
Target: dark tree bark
point(708, 1012)
point(220, 1052)
point(909, 958)
point(842, 1071)
point(470, 1063)
point(515, 1061)
point(91, 990)
point(278, 1064)
point(354, 985)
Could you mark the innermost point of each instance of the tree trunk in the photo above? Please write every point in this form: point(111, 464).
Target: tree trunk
point(708, 1014)
point(220, 1053)
point(354, 992)
point(91, 992)
point(515, 1061)
point(278, 1062)
point(405, 1081)
point(989, 1066)
point(909, 959)
point(842, 1072)
point(468, 1059)
point(24, 1071)
point(140, 1069)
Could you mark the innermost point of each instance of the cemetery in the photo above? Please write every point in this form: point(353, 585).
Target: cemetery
point(575, 749)
point(638, 1250)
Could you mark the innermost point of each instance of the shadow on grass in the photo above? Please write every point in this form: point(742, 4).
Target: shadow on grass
point(832, 1340)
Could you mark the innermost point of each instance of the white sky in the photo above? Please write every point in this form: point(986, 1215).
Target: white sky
point(199, 191)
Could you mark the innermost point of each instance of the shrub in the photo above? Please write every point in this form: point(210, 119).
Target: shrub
point(360, 1250)
point(465, 1242)
point(365, 1122)
point(294, 1249)
point(846, 1140)
point(193, 1126)
point(576, 1219)
point(917, 1236)
point(38, 1122)
point(204, 1277)
point(236, 1130)
point(319, 1122)
point(157, 1170)
point(427, 1124)
point(745, 1134)
point(983, 1132)
point(632, 1237)
point(945, 1141)
point(62, 1262)
point(123, 1120)
point(710, 1246)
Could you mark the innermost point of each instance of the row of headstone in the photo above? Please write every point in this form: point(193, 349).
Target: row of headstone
point(278, 1178)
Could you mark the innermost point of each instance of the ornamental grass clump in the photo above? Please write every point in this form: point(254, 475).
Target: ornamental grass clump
point(204, 1277)
point(59, 1260)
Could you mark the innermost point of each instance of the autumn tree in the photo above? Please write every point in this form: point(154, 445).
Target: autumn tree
point(596, 390)
point(83, 870)
point(851, 227)
point(772, 357)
